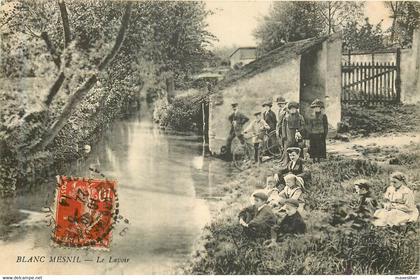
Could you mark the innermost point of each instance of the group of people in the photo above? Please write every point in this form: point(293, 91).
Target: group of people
point(275, 210)
point(290, 126)
point(277, 206)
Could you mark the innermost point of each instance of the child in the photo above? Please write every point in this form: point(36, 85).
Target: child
point(257, 127)
point(366, 204)
point(291, 223)
point(293, 190)
point(317, 130)
point(257, 219)
point(295, 166)
point(272, 191)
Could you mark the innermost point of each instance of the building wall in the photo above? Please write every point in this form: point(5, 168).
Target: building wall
point(250, 93)
point(321, 78)
point(244, 56)
point(369, 58)
point(312, 79)
point(410, 72)
point(333, 47)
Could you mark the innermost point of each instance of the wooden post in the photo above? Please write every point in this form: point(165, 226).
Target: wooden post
point(204, 128)
point(398, 78)
point(349, 54)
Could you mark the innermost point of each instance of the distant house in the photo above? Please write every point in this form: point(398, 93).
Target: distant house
point(243, 56)
point(299, 71)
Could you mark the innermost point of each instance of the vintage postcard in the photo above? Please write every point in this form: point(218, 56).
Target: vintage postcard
point(209, 138)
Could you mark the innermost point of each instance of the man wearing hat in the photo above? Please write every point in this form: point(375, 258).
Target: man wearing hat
point(292, 223)
point(281, 103)
point(257, 128)
point(257, 219)
point(317, 131)
point(237, 121)
point(293, 129)
point(269, 116)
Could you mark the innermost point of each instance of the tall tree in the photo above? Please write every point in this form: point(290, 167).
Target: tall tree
point(405, 19)
point(336, 14)
point(367, 37)
point(288, 21)
point(297, 20)
point(81, 41)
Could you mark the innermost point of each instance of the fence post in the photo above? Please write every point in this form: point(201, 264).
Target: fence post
point(398, 78)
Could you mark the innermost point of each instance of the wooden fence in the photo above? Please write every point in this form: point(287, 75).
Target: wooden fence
point(369, 82)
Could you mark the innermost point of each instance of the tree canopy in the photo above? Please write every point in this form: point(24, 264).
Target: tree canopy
point(297, 20)
point(405, 19)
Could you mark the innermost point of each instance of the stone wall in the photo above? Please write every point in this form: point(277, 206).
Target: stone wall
point(283, 80)
point(410, 72)
point(321, 78)
point(333, 48)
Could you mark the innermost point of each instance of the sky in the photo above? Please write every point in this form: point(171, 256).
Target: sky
point(234, 20)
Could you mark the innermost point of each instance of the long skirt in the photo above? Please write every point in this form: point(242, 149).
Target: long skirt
point(394, 217)
point(317, 145)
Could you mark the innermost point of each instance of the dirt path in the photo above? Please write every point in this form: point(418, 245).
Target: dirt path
point(377, 147)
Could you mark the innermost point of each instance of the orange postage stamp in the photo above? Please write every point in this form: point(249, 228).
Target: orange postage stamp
point(85, 211)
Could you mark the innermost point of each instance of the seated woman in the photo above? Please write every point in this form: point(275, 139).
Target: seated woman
point(294, 166)
point(258, 218)
point(399, 206)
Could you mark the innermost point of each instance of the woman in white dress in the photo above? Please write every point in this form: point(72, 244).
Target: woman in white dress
point(399, 206)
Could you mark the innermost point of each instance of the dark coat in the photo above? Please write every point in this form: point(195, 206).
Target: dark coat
point(289, 131)
point(240, 119)
point(271, 119)
point(318, 129)
point(297, 170)
point(280, 117)
point(248, 213)
point(260, 223)
point(293, 224)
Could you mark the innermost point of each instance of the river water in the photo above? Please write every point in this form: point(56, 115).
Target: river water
point(165, 188)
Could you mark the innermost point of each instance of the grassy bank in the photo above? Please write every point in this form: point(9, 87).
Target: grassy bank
point(324, 249)
point(366, 120)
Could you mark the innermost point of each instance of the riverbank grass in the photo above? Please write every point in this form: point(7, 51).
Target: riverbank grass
point(330, 246)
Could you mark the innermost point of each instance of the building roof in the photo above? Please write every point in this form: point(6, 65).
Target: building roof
point(272, 59)
point(242, 48)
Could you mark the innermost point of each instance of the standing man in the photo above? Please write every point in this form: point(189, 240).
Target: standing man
point(237, 121)
point(269, 116)
point(281, 103)
point(257, 127)
point(293, 129)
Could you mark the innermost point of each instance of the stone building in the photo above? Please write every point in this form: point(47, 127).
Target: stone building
point(299, 71)
point(242, 56)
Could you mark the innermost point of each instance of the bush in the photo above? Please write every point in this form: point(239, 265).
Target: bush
point(21, 126)
point(184, 113)
point(366, 120)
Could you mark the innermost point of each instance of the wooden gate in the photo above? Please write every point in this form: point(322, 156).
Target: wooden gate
point(371, 82)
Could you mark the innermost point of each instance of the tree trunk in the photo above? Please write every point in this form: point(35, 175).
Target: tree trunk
point(67, 37)
point(75, 99)
point(51, 49)
point(65, 21)
point(54, 89)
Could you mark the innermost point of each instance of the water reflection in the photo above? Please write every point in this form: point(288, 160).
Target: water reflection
point(161, 188)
